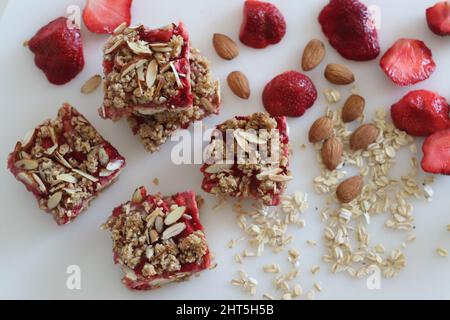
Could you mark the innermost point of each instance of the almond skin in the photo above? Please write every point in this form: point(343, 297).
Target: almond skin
point(238, 83)
point(349, 189)
point(353, 108)
point(321, 129)
point(339, 74)
point(313, 54)
point(331, 152)
point(364, 136)
point(225, 47)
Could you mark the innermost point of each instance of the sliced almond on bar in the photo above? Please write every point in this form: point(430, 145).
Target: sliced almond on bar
point(174, 216)
point(67, 178)
point(26, 164)
point(54, 200)
point(173, 230)
point(152, 72)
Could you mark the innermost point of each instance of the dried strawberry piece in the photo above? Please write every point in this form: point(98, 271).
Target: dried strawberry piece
point(350, 28)
point(408, 62)
point(436, 153)
point(103, 16)
point(263, 24)
point(58, 50)
point(438, 18)
point(289, 94)
point(421, 113)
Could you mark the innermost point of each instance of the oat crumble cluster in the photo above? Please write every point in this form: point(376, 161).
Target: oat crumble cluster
point(346, 225)
point(65, 163)
point(157, 81)
point(155, 130)
point(158, 239)
point(260, 177)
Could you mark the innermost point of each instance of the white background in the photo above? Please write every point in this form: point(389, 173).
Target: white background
point(34, 252)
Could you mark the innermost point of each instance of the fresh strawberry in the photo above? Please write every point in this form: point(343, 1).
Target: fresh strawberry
point(408, 62)
point(263, 24)
point(58, 50)
point(103, 16)
point(436, 153)
point(438, 18)
point(421, 113)
point(351, 30)
point(290, 94)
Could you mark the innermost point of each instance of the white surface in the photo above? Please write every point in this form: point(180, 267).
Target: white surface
point(35, 252)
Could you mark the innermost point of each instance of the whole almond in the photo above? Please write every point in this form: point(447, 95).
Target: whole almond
point(332, 151)
point(313, 54)
point(225, 47)
point(339, 74)
point(364, 136)
point(321, 129)
point(349, 189)
point(238, 83)
point(353, 108)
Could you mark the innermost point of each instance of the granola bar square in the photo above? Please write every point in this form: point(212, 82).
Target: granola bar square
point(155, 130)
point(157, 239)
point(146, 71)
point(65, 163)
point(253, 163)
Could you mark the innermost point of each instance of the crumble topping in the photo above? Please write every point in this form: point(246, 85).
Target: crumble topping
point(62, 161)
point(148, 234)
point(155, 130)
point(142, 73)
point(261, 177)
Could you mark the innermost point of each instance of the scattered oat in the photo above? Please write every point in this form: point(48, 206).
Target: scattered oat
point(267, 296)
point(247, 283)
point(311, 242)
point(332, 95)
point(448, 227)
point(442, 252)
point(315, 270)
point(271, 268)
point(156, 181)
point(318, 286)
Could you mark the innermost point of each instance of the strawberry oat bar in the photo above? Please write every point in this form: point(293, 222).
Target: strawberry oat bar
point(158, 240)
point(263, 174)
point(65, 163)
point(155, 130)
point(146, 71)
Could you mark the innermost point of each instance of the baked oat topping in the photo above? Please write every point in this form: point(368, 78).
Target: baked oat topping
point(61, 162)
point(144, 75)
point(154, 130)
point(151, 238)
point(260, 156)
